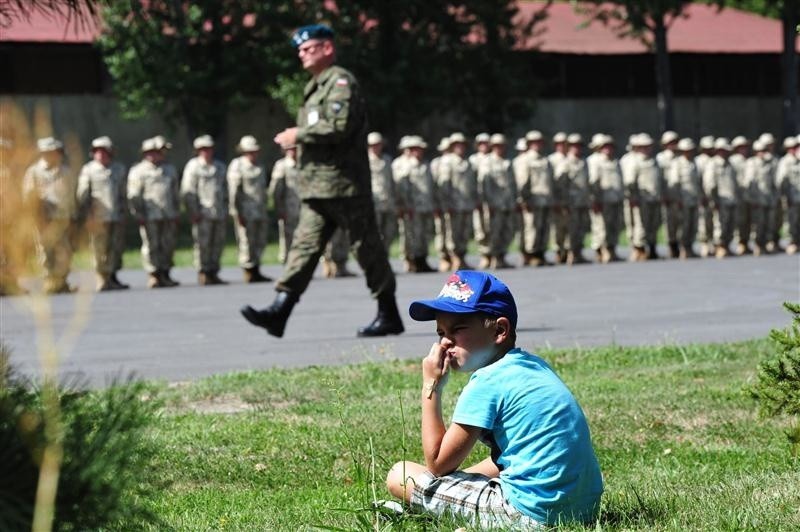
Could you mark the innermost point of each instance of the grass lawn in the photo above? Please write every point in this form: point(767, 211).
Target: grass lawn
point(680, 444)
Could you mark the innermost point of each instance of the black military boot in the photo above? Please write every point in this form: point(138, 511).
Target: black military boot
point(387, 321)
point(274, 317)
point(652, 254)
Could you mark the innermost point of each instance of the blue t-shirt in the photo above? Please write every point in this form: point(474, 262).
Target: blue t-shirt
point(538, 436)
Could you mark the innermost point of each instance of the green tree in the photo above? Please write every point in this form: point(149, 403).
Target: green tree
point(649, 20)
point(193, 62)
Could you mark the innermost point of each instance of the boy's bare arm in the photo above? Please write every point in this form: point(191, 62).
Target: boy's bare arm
point(444, 448)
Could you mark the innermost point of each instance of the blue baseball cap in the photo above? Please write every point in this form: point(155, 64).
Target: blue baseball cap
point(314, 31)
point(468, 291)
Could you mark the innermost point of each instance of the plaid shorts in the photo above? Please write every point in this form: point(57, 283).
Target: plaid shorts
point(476, 498)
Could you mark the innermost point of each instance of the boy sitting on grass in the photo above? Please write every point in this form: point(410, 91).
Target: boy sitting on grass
point(542, 468)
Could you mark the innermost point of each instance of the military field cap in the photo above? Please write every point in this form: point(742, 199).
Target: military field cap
point(722, 144)
point(686, 144)
point(642, 139)
point(413, 141)
point(457, 137)
point(596, 140)
point(444, 144)
point(790, 142)
point(161, 143)
point(669, 136)
point(49, 144)
point(739, 141)
point(481, 137)
point(497, 138)
point(605, 140)
point(707, 142)
point(374, 138)
point(313, 31)
point(574, 138)
point(403, 144)
point(148, 145)
point(103, 143)
point(465, 292)
point(534, 136)
point(758, 145)
point(248, 143)
point(767, 138)
point(203, 141)
point(560, 137)
point(521, 145)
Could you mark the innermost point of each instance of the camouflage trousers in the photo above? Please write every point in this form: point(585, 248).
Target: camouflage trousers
point(54, 241)
point(775, 222)
point(319, 218)
point(687, 223)
point(108, 244)
point(479, 227)
point(338, 248)
point(607, 225)
point(724, 223)
point(158, 244)
point(705, 225)
point(415, 235)
point(793, 219)
point(251, 239)
point(387, 226)
point(440, 236)
point(499, 226)
point(559, 220)
point(286, 229)
point(536, 230)
point(578, 225)
point(209, 240)
point(459, 232)
point(752, 221)
point(646, 221)
point(673, 214)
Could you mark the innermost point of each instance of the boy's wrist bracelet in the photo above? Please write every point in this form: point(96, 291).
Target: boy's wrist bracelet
point(430, 387)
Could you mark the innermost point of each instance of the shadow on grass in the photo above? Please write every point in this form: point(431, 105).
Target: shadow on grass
point(629, 509)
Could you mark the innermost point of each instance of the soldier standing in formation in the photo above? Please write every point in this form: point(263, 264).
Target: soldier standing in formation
point(283, 188)
point(458, 190)
point(102, 198)
point(705, 224)
point(643, 186)
point(719, 184)
point(573, 175)
point(559, 215)
point(535, 188)
point(672, 212)
point(685, 192)
point(334, 185)
point(759, 192)
point(154, 196)
point(439, 223)
point(743, 219)
point(482, 150)
point(247, 195)
point(49, 188)
point(497, 193)
point(787, 182)
point(204, 190)
point(775, 214)
point(605, 182)
point(383, 194)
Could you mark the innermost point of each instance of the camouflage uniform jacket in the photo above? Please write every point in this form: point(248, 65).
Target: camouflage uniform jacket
point(496, 183)
point(204, 188)
point(683, 182)
point(415, 188)
point(664, 159)
point(560, 181)
point(102, 191)
point(247, 189)
point(153, 191)
point(536, 182)
point(476, 159)
point(643, 179)
point(759, 181)
point(383, 194)
point(573, 171)
point(605, 179)
point(332, 138)
point(457, 183)
point(739, 164)
point(283, 188)
point(53, 187)
point(787, 179)
point(719, 181)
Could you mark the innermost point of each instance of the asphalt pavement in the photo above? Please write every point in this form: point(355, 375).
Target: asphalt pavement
point(191, 331)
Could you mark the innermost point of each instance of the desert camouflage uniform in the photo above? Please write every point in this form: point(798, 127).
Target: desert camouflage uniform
point(559, 215)
point(574, 176)
point(788, 185)
point(283, 189)
point(247, 196)
point(383, 195)
point(705, 218)
point(719, 184)
point(478, 230)
point(626, 161)
point(458, 190)
point(605, 183)
point(52, 191)
point(644, 185)
point(153, 197)
point(535, 190)
point(497, 191)
point(744, 215)
point(758, 193)
point(775, 213)
point(204, 189)
point(685, 190)
point(102, 197)
point(440, 237)
point(417, 201)
point(672, 211)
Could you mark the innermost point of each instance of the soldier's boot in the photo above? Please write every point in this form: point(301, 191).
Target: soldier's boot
point(687, 253)
point(328, 268)
point(104, 283)
point(561, 256)
point(410, 266)
point(463, 264)
point(500, 263)
point(757, 250)
point(636, 254)
point(774, 247)
point(652, 254)
point(485, 262)
point(444, 264)
point(340, 270)
point(118, 285)
point(167, 280)
point(422, 265)
point(10, 287)
point(705, 250)
point(55, 285)
point(599, 256)
point(791, 249)
point(253, 275)
point(674, 250)
point(527, 258)
point(215, 279)
point(576, 257)
point(743, 249)
point(612, 255)
point(721, 252)
point(387, 321)
point(154, 280)
point(274, 317)
point(203, 279)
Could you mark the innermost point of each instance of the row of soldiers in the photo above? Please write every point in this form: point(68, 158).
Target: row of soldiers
point(450, 199)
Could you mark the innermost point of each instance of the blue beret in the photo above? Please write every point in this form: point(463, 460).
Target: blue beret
point(314, 31)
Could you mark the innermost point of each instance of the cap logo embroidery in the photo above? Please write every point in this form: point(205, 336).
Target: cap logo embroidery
point(456, 289)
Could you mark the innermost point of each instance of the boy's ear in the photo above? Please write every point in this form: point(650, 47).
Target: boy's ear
point(502, 330)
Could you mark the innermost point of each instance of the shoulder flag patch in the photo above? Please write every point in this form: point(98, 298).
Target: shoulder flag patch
point(342, 82)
